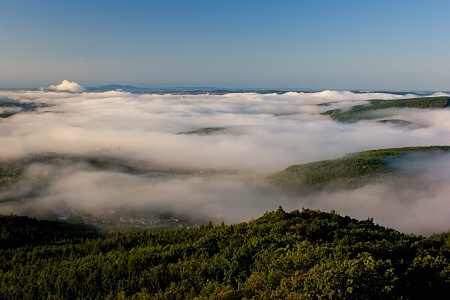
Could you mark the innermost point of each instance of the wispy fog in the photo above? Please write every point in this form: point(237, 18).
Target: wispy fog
point(218, 174)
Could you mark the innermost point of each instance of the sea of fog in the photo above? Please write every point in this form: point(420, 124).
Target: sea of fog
point(210, 153)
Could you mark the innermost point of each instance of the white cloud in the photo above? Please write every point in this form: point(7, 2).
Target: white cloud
point(66, 85)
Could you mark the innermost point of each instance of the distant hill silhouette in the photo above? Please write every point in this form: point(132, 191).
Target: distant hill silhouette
point(114, 87)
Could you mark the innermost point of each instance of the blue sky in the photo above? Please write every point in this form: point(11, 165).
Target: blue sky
point(392, 45)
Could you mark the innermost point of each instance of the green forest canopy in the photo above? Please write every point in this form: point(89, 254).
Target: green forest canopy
point(298, 255)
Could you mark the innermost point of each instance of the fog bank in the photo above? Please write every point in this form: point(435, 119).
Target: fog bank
point(254, 135)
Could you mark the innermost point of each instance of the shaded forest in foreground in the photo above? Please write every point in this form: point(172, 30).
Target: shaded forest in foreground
point(298, 255)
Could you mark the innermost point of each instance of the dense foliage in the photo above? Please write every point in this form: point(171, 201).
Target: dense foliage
point(17, 232)
point(360, 112)
point(297, 255)
point(351, 171)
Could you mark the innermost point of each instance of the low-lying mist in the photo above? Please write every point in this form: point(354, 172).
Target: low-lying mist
point(218, 174)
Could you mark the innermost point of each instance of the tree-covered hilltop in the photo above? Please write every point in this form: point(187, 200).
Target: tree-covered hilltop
point(360, 112)
point(352, 171)
point(298, 255)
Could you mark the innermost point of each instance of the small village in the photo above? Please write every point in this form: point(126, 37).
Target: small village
point(123, 218)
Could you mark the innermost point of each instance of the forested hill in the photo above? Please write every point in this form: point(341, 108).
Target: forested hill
point(299, 255)
point(365, 111)
point(356, 169)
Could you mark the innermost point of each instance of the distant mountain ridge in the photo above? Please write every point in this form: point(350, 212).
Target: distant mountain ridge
point(220, 91)
point(187, 90)
point(113, 87)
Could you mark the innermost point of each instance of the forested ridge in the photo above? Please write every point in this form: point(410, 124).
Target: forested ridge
point(361, 112)
point(355, 170)
point(304, 254)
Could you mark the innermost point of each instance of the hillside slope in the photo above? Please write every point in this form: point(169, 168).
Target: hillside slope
point(360, 112)
point(351, 171)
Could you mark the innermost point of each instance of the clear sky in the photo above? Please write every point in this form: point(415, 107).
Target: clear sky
point(345, 44)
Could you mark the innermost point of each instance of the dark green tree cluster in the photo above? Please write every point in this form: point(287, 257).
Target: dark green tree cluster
point(299, 255)
point(203, 131)
point(18, 232)
point(11, 107)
